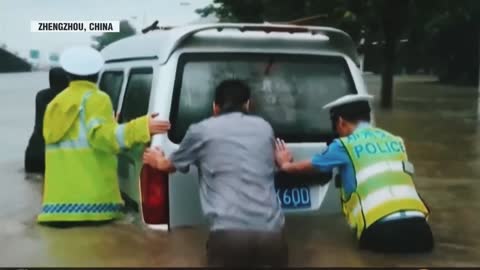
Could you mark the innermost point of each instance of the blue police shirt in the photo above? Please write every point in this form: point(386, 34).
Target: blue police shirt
point(336, 156)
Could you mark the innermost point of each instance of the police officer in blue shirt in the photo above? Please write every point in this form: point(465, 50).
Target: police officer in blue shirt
point(378, 195)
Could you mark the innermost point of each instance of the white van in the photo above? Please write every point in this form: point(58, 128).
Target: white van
point(292, 70)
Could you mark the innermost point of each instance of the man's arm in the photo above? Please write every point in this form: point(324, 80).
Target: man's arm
point(334, 156)
point(297, 167)
point(186, 154)
point(105, 134)
point(156, 158)
point(284, 160)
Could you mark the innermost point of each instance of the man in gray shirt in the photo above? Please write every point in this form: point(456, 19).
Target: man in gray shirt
point(235, 155)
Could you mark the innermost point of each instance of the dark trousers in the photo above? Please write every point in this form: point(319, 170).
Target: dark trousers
point(246, 248)
point(34, 164)
point(34, 161)
point(409, 235)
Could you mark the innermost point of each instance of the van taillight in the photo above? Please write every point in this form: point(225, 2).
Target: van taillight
point(154, 188)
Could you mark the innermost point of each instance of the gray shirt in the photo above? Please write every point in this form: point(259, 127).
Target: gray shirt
point(234, 154)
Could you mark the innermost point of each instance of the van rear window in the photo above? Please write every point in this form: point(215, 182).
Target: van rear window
point(288, 91)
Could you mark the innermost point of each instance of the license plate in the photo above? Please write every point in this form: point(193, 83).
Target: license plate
point(294, 197)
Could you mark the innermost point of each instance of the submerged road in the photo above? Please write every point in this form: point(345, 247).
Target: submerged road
point(440, 127)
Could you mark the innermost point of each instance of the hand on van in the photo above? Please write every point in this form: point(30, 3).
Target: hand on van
point(155, 157)
point(282, 154)
point(157, 126)
point(284, 160)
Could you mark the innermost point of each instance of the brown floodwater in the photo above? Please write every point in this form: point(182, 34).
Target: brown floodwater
point(438, 122)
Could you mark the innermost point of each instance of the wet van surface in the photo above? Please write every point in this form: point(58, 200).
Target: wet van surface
point(292, 71)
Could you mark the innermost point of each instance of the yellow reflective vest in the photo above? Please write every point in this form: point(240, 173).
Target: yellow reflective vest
point(82, 139)
point(384, 183)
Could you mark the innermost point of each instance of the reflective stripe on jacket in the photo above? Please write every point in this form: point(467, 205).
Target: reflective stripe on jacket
point(82, 139)
point(384, 183)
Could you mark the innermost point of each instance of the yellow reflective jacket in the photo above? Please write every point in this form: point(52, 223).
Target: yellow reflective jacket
point(384, 179)
point(82, 139)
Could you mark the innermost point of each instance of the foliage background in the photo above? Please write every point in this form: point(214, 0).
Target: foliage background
point(414, 36)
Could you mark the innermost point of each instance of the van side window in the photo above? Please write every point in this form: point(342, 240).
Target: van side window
point(111, 83)
point(137, 94)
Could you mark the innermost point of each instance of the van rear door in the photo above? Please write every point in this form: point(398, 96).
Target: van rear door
point(289, 92)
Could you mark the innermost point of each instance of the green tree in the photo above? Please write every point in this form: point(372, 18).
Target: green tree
point(443, 35)
point(274, 10)
point(376, 18)
point(386, 23)
point(452, 40)
point(393, 16)
point(107, 38)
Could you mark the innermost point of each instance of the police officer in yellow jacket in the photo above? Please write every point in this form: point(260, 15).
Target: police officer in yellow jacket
point(378, 195)
point(82, 139)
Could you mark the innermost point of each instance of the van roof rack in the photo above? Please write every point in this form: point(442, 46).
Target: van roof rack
point(336, 36)
point(266, 27)
point(177, 35)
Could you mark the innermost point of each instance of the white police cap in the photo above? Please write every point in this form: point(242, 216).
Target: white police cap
point(81, 61)
point(348, 99)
